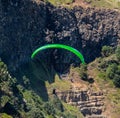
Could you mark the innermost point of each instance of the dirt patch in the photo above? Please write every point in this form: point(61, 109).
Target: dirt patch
point(81, 3)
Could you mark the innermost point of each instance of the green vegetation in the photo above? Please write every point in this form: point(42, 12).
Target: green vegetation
point(118, 53)
point(110, 64)
point(59, 2)
point(59, 84)
point(26, 102)
point(106, 73)
point(111, 71)
point(3, 115)
point(104, 3)
point(114, 98)
point(112, 4)
point(73, 110)
point(83, 72)
point(107, 51)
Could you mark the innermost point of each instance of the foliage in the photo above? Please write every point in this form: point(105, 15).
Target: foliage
point(117, 52)
point(116, 80)
point(103, 64)
point(26, 82)
point(83, 72)
point(4, 115)
point(104, 4)
point(57, 103)
point(49, 108)
point(106, 51)
point(109, 65)
point(111, 71)
point(59, 2)
point(36, 113)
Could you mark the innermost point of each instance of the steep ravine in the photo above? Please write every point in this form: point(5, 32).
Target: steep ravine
point(26, 25)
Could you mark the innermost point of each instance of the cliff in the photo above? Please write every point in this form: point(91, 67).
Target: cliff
point(26, 25)
point(90, 103)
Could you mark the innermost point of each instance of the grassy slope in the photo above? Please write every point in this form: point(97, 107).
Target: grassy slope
point(59, 2)
point(112, 4)
point(104, 3)
point(39, 73)
point(106, 85)
point(63, 85)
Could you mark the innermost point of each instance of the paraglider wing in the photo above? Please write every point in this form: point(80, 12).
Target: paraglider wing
point(69, 48)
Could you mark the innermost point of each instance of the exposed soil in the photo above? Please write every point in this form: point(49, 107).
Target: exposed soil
point(81, 3)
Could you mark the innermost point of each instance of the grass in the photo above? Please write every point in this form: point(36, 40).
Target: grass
point(4, 115)
point(60, 2)
point(114, 99)
point(59, 84)
point(112, 4)
point(104, 3)
point(73, 110)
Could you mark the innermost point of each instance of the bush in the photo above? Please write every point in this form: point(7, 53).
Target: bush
point(26, 82)
point(116, 80)
point(83, 72)
point(111, 71)
point(117, 52)
point(57, 104)
point(4, 115)
point(35, 113)
point(103, 64)
point(49, 108)
point(106, 51)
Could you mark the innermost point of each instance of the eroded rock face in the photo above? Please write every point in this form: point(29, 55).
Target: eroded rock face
point(90, 103)
point(86, 29)
point(21, 30)
point(26, 25)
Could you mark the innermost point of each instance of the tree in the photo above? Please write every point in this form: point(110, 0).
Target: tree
point(116, 80)
point(57, 103)
point(117, 52)
point(111, 71)
point(35, 113)
point(49, 108)
point(106, 51)
point(83, 72)
point(26, 82)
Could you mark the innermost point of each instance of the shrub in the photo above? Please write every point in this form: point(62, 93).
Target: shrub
point(57, 104)
point(106, 51)
point(116, 80)
point(111, 71)
point(35, 113)
point(83, 72)
point(117, 52)
point(49, 108)
point(4, 115)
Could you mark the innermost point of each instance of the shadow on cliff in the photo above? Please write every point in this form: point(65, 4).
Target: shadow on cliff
point(38, 73)
point(24, 25)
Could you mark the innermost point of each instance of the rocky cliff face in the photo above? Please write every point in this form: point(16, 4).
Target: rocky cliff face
point(21, 30)
point(26, 25)
point(90, 103)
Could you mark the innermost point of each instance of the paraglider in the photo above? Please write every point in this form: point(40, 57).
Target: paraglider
point(61, 46)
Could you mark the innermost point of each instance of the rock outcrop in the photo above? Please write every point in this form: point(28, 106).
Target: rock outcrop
point(26, 25)
point(90, 103)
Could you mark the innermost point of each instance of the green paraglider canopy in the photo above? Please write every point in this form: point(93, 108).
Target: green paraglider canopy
point(69, 48)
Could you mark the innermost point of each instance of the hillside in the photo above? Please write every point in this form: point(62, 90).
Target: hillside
point(54, 84)
point(99, 94)
point(109, 4)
